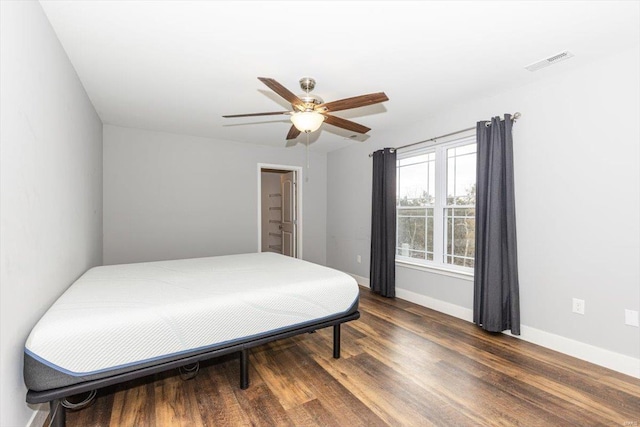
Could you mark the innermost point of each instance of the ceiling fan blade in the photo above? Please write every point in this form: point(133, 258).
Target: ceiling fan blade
point(345, 124)
point(293, 133)
point(355, 102)
point(283, 92)
point(273, 113)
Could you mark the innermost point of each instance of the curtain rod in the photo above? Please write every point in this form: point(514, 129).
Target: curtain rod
point(515, 117)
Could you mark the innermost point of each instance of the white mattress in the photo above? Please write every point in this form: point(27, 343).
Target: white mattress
point(122, 315)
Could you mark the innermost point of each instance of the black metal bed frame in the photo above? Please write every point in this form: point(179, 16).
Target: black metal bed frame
point(55, 396)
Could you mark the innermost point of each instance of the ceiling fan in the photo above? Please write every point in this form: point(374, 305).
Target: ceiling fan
point(310, 111)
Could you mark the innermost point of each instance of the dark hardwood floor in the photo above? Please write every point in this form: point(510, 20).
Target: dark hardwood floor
point(402, 364)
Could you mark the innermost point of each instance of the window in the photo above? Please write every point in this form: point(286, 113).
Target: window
point(436, 205)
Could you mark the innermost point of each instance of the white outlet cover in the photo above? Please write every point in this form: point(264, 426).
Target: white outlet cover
point(578, 306)
point(631, 318)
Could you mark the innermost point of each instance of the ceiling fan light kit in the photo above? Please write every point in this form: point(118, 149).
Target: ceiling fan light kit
point(310, 111)
point(307, 121)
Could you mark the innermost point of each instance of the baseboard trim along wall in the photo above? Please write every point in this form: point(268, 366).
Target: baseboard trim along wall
point(618, 362)
point(39, 416)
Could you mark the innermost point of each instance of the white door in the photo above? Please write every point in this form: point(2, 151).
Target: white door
point(289, 220)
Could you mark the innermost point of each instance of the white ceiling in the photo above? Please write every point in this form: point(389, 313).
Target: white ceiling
point(179, 66)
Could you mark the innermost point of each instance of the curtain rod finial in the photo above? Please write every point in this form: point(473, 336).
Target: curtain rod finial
point(516, 115)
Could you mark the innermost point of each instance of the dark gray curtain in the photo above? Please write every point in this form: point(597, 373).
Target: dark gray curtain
point(382, 272)
point(496, 305)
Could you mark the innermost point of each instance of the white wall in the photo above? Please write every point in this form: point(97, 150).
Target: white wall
point(170, 196)
point(577, 201)
point(51, 186)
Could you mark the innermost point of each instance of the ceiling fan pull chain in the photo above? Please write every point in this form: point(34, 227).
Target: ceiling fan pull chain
point(307, 150)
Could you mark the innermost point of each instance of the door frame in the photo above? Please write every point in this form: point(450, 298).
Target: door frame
point(299, 181)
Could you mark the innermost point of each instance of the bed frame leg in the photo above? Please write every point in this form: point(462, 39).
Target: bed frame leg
point(244, 369)
point(336, 341)
point(58, 412)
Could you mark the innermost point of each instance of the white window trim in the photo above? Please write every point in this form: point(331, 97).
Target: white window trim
point(464, 275)
point(438, 265)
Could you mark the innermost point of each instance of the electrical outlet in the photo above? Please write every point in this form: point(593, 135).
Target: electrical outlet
point(578, 306)
point(631, 318)
point(359, 259)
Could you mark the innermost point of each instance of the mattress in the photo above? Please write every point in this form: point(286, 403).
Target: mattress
point(118, 318)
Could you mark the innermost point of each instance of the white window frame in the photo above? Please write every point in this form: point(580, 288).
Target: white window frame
point(438, 264)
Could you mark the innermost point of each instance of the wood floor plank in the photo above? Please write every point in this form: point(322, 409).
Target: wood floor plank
point(173, 405)
point(392, 396)
point(544, 402)
point(322, 415)
point(401, 364)
point(216, 398)
point(505, 409)
point(278, 369)
point(133, 406)
point(428, 373)
point(339, 400)
point(482, 347)
point(257, 402)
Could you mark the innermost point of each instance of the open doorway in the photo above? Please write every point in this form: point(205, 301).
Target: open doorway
point(279, 217)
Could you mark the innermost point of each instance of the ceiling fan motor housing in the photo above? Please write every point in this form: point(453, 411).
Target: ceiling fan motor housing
point(310, 101)
point(307, 84)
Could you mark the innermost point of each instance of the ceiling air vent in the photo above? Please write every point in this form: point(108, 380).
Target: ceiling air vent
point(550, 61)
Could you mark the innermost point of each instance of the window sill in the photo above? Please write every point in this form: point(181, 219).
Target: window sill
point(436, 270)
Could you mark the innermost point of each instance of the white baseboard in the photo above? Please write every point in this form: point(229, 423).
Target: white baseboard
point(599, 356)
point(39, 417)
point(362, 281)
point(436, 304)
